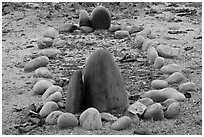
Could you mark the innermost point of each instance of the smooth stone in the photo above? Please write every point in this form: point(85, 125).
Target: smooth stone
point(159, 62)
point(84, 19)
point(176, 77)
point(122, 123)
point(126, 27)
point(159, 84)
point(137, 108)
point(120, 34)
point(50, 52)
point(135, 29)
point(170, 68)
point(154, 112)
point(74, 93)
point(60, 43)
point(67, 120)
point(50, 33)
point(38, 79)
point(134, 117)
point(41, 86)
point(56, 97)
point(91, 119)
point(151, 55)
point(44, 42)
point(145, 33)
point(38, 62)
point(188, 86)
point(146, 101)
point(168, 102)
point(108, 117)
point(52, 118)
point(139, 41)
point(86, 29)
point(114, 28)
point(173, 110)
point(163, 94)
point(142, 131)
point(48, 108)
point(167, 51)
point(43, 72)
point(67, 28)
point(147, 44)
point(52, 89)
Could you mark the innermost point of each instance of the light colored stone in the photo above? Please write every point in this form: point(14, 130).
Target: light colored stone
point(170, 68)
point(51, 119)
point(120, 34)
point(108, 117)
point(159, 84)
point(172, 111)
point(52, 89)
point(139, 41)
point(50, 33)
point(44, 42)
point(56, 97)
point(43, 72)
point(154, 112)
point(176, 77)
point(67, 120)
point(41, 86)
point(151, 55)
point(122, 123)
point(86, 29)
point(188, 86)
point(159, 62)
point(137, 108)
point(48, 108)
point(146, 101)
point(167, 51)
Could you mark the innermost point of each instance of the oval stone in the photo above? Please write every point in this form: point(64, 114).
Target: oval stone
point(52, 118)
point(168, 102)
point(120, 34)
point(52, 89)
point(48, 108)
point(146, 101)
point(122, 123)
point(114, 28)
point(159, 62)
point(159, 84)
point(41, 86)
point(84, 18)
point(151, 55)
point(108, 117)
point(43, 72)
point(67, 120)
point(147, 44)
point(56, 97)
point(139, 41)
point(154, 112)
point(44, 42)
point(172, 111)
point(86, 29)
point(50, 33)
point(170, 68)
point(188, 86)
point(176, 77)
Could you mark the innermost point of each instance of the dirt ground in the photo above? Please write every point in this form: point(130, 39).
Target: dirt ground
point(22, 23)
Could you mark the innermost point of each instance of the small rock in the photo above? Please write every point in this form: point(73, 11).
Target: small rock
point(108, 117)
point(168, 102)
point(67, 28)
point(172, 111)
point(167, 51)
point(159, 62)
point(38, 79)
point(114, 28)
point(86, 29)
point(122, 123)
point(142, 131)
point(48, 108)
point(151, 55)
point(51, 33)
point(185, 87)
point(61, 104)
point(146, 101)
point(159, 84)
point(84, 18)
point(137, 108)
point(41, 86)
point(176, 77)
point(170, 68)
point(134, 117)
point(120, 34)
point(154, 112)
point(43, 72)
point(147, 44)
point(90, 119)
point(56, 97)
point(52, 89)
point(60, 43)
point(67, 120)
point(135, 29)
point(139, 41)
point(44, 42)
point(52, 118)
point(50, 52)
point(125, 27)
point(38, 62)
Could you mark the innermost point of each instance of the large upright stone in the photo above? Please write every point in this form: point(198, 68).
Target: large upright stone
point(74, 97)
point(103, 83)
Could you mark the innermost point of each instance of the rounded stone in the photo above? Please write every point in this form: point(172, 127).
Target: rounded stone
point(159, 62)
point(41, 86)
point(52, 89)
point(86, 29)
point(146, 101)
point(84, 18)
point(159, 84)
point(120, 34)
point(50, 52)
point(56, 97)
point(154, 112)
point(43, 72)
point(67, 120)
point(147, 44)
point(44, 42)
point(170, 68)
point(52, 118)
point(50, 33)
point(176, 77)
point(114, 28)
point(168, 102)
point(108, 117)
point(139, 41)
point(172, 111)
point(151, 55)
point(188, 86)
point(91, 119)
point(122, 123)
point(48, 108)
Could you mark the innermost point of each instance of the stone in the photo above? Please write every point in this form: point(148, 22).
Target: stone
point(146, 101)
point(163, 94)
point(176, 77)
point(168, 102)
point(170, 68)
point(56, 97)
point(126, 27)
point(122, 123)
point(108, 117)
point(186, 87)
point(36, 63)
point(137, 108)
point(74, 93)
point(103, 83)
point(91, 119)
point(68, 28)
point(50, 52)
point(135, 29)
point(114, 28)
point(52, 118)
point(35, 80)
point(84, 19)
point(159, 84)
point(67, 120)
point(43, 72)
point(60, 43)
point(159, 62)
point(134, 117)
point(48, 108)
point(151, 55)
point(52, 89)
point(50, 33)
point(147, 44)
point(41, 86)
point(167, 51)
point(120, 34)
point(44, 42)
point(86, 29)
point(142, 131)
point(172, 111)
point(154, 112)
point(139, 41)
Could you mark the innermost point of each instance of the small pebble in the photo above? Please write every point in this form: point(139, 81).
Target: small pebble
point(172, 111)
point(170, 68)
point(139, 41)
point(68, 28)
point(142, 131)
point(167, 51)
point(120, 34)
point(114, 28)
point(151, 55)
point(188, 86)
point(168, 102)
point(52, 89)
point(48, 108)
point(154, 112)
point(108, 117)
point(60, 43)
point(43, 72)
point(56, 97)
point(50, 52)
point(51, 33)
point(146, 101)
point(86, 29)
point(51, 119)
point(147, 44)
point(159, 62)
point(84, 19)
point(159, 84)
point(41, 86)
point(135, 29)
point(67, 120)
point(176, 77)
point(44, 42)
point(122, 123)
